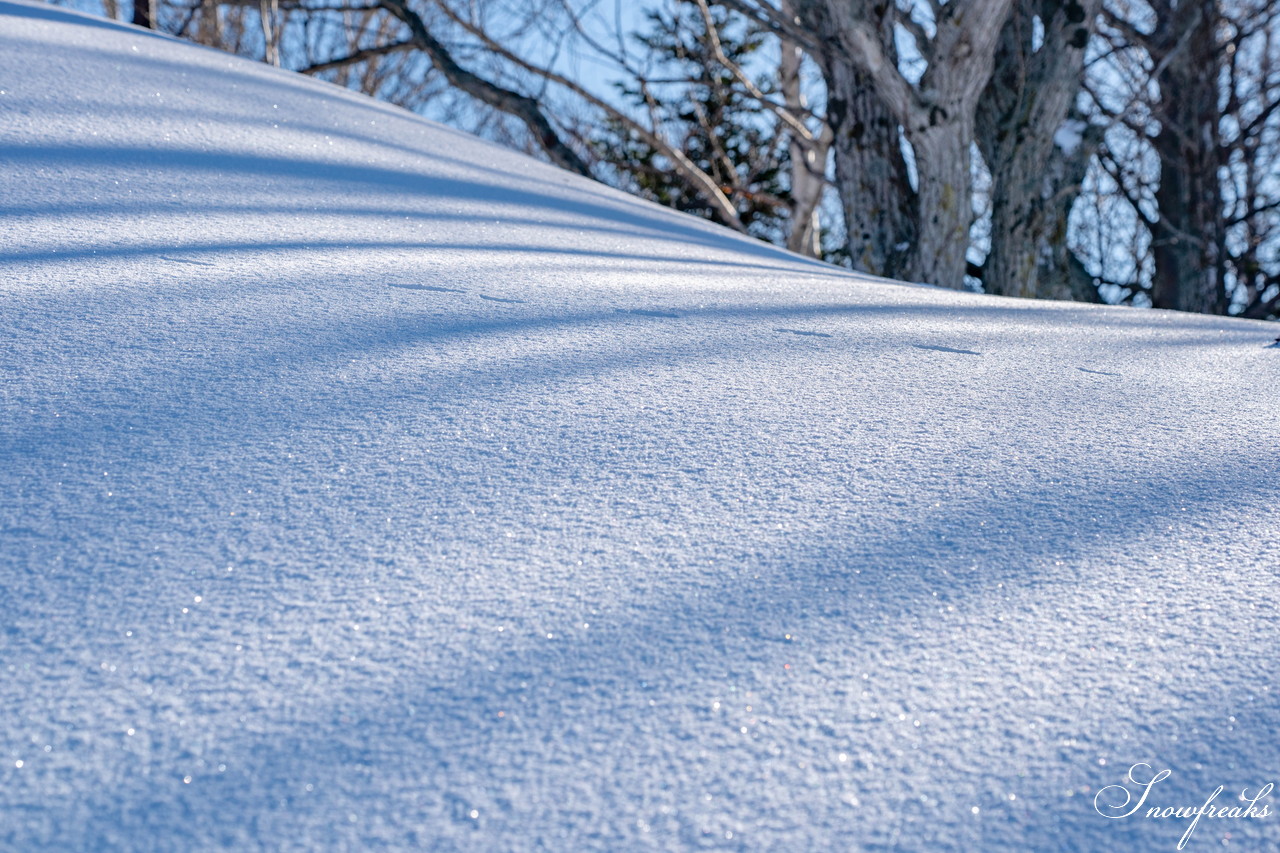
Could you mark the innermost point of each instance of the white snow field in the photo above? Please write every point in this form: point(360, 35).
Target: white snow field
point(364, 486)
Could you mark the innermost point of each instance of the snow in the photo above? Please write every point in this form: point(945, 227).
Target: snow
point(366, 486)
point(1069, 136)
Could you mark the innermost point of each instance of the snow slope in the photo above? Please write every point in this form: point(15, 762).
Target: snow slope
point(365, 486)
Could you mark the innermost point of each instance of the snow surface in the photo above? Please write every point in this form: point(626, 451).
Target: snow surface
point(366, 486)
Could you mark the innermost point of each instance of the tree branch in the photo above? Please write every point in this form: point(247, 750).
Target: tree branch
point(702, 183)
point(360, 56)
point(774, 20)
point(900, 97)
point(515, 104)
point(798, 127)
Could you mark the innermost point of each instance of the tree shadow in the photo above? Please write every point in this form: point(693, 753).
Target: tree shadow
point(614, 725)
point(690, 641)
point(573, 740)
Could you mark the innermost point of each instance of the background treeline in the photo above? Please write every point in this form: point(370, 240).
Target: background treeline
point(1123, 151)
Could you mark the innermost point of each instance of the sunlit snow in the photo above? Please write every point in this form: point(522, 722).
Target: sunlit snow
point(366, 486)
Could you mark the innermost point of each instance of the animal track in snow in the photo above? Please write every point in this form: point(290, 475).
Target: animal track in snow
point(430, 287)
point(646, 312)
point(946, 349)
point(803, 332)
point(182, 261)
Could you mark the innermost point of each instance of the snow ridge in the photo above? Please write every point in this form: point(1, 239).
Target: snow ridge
point(366, 486)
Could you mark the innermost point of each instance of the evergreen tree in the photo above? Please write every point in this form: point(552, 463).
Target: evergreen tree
point(706, 112)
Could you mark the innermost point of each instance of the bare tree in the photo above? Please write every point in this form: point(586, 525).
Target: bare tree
point(809, 148)
point(856, 43)
point(1187, 236)
point(144, 13)
point(810, 152)
point(752, 130)
point(1191, 91)
point(718, 188)
point(1037, 147)
point(1158, 185)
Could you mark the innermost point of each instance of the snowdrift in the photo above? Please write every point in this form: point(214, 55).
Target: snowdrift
point(365, 486)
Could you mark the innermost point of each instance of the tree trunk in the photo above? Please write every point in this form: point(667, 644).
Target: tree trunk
point(1037, 154)
point(1185, 240)
point(945, 200)
point(808, 160)
point(144, 13)
point(870, 98)
point(1059, 274)
point(940, 127)
point(871, 176)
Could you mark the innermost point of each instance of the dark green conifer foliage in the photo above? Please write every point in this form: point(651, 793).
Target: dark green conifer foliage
point(709, 116)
